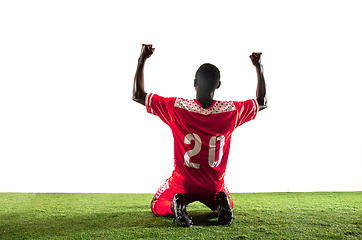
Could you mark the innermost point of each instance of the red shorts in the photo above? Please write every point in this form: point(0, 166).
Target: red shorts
point(161, 204)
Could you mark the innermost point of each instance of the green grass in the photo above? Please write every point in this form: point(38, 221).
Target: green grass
point(123, 216)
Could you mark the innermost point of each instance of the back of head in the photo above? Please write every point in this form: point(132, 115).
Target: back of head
point(207, 78)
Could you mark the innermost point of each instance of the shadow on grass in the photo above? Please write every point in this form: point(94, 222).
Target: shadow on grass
point(199, 218)
point(62, 224)
point(202, 218)
point(17, 226)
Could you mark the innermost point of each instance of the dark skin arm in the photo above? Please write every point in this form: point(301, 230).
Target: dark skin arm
point(261, 86)
point(139, 94)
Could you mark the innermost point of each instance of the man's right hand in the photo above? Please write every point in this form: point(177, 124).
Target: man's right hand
point(139, 94)
point(146, 51)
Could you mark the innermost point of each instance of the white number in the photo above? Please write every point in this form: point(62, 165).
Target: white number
point(212, 150)
point(188, 138)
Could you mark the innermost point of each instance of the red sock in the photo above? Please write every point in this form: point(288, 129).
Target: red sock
point(161, 208)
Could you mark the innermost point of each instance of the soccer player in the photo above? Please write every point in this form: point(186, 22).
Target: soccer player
point(202, 129)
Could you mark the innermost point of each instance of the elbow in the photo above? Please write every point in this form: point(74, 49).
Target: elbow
point(134, 98)
point(139, 97)
point(263, 104)
point(262, 107)
point(135, 94)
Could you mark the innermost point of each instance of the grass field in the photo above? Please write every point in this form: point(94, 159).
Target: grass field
point(323, 215)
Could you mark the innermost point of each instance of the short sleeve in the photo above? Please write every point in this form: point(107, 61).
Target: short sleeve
point(247, 110)
point(160, 106)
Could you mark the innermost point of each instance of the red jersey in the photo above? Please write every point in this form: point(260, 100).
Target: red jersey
point(201, 136)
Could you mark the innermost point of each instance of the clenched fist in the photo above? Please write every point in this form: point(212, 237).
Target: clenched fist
point(255, 58)
point(146, 51)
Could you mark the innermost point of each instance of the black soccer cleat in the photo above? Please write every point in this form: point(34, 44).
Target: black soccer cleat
point(224, 211)
point(178, 207)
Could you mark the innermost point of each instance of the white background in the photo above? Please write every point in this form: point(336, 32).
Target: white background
point(68, 122)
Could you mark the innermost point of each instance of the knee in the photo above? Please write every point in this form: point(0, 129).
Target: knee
point(153, 208)
point(161, 207)
point(153, 202)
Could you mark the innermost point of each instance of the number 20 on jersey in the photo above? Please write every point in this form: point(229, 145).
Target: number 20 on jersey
point(197, 148)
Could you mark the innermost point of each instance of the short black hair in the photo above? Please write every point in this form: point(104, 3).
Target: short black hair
point(207, 77)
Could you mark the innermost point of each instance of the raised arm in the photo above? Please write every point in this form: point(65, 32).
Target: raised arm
point(261, 86)
point(139, 94)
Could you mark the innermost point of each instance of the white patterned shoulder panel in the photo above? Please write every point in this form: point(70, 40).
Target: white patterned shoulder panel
point(217, 107)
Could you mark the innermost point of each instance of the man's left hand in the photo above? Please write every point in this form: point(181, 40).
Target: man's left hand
point(147, 51)
point(255, 58)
